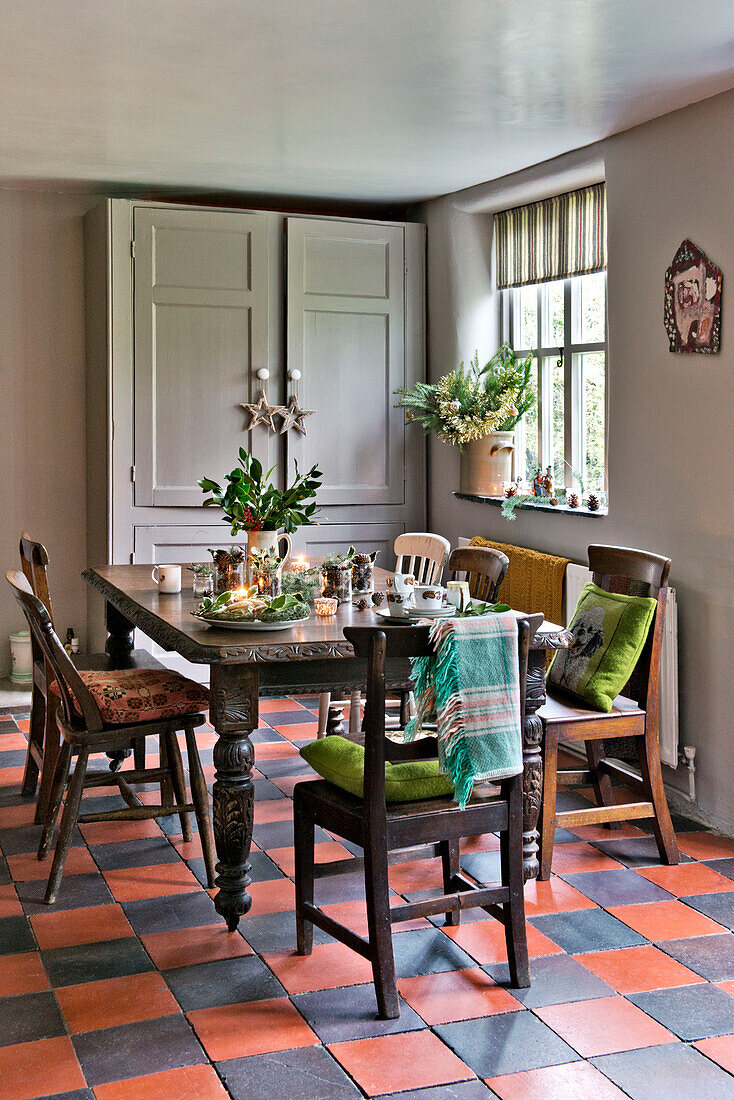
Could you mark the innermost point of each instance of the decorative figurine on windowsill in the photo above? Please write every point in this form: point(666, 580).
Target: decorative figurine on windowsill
point(538, 484)
point(547, 483)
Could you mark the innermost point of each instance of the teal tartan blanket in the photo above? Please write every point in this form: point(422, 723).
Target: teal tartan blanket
point(472, 685)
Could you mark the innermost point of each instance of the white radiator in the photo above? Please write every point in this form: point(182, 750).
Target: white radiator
point(576, 577)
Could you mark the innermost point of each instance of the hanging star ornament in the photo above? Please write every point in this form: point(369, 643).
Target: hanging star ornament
point(260, 412)
point(293, 415)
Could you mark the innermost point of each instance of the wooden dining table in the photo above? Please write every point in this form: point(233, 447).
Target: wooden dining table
point(245, 665)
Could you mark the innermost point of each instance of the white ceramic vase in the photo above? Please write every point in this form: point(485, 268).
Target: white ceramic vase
point(486, 465)
point(268, 540)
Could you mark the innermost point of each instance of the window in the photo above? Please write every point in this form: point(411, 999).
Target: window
point(563, 325)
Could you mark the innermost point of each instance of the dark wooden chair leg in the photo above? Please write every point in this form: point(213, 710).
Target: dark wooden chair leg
point(652, 777)
point(601, 782)
point(56, 794)
point(166, 784)
point(303, 838)
point(68, 823)
point(51, 749)
point(35, 741)
point(139, 754)
point(512, 876)
point(451, 867)
point(200, 798)
point(548, 807)
point(178, 780)
point(404, 708)
point(377, 890)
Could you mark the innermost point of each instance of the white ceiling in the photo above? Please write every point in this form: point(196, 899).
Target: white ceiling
point(363, 99)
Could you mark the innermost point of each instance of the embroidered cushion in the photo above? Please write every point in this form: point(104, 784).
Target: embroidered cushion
point(609, 631)
point(342, 763)
point(126, 696)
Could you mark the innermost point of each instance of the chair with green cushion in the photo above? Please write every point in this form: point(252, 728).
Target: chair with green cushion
point(607, 686)
point(391, 797)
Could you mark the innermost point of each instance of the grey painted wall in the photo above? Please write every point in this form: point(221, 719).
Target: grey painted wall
point(671, 441)
point(42, 411)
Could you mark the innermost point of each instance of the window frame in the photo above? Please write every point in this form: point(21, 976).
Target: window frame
point(545, 356)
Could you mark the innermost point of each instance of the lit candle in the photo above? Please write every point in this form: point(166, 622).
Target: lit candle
point(325, 606)
point(300, 565)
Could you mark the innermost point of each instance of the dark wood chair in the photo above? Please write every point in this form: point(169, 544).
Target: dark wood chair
point(484, 568)
point(635, 714)
point(380, 828)
point(84, 732)
point(43, 740)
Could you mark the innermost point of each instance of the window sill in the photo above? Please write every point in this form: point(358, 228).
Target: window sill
point(560, 509)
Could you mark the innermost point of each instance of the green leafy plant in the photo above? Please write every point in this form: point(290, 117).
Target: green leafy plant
point(478, 608)
point(251, 502)
point(470, 402)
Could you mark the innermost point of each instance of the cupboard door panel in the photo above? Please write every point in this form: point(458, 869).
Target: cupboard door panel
point(201, 333)
point(329, 538)
point(346, 336)
point(164, 545)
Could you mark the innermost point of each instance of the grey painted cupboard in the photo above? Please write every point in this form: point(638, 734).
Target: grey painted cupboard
point(185, 304)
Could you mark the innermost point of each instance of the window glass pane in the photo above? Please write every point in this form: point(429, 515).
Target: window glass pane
point(593, 385)
point(530, 420)
point(526, 317)
point(553, 315)
point(554, 420)
point(557, 433)
point(590, 308)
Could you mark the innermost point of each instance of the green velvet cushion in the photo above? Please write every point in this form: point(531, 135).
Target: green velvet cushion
point(609, 632)
point(342, 763)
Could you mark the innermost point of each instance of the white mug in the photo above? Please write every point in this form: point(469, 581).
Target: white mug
point(429, 597)
point(457, 593)
point(168, 579)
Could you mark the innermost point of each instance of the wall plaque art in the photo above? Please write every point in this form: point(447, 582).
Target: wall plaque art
point(693, 301)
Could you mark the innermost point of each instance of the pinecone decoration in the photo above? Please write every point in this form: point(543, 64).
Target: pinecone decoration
point(378, 598)
point(572, 500)
point(362, 605)
point(593, 502)
point(511, 491)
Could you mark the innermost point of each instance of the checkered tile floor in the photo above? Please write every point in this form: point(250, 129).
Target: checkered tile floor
point(130, 986)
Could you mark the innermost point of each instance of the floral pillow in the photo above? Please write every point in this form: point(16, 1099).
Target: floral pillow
point(126, 696)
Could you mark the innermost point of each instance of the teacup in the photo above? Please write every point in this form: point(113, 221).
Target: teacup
point(402, 583)
point(398, 605)
point(429, 597)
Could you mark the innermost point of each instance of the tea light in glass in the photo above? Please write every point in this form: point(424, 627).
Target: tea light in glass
point(325, 606)
point(300, 565)
point(268, 581)
point(203, 580)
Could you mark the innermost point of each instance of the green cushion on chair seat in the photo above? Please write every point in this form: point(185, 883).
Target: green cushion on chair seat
point(342, 763)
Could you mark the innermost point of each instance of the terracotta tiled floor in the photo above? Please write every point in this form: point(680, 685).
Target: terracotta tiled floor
point(130, 987)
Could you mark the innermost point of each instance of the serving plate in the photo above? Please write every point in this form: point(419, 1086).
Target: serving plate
point(256, 624)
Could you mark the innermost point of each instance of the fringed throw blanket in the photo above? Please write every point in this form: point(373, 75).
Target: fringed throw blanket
point(472, 685)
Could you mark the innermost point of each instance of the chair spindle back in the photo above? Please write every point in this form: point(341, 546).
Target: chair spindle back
point(69, 682)
point(485, 570)
point(422, 554)
point(637, 573)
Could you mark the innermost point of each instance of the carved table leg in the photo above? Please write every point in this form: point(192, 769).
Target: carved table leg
point(532, 763)
point(119, 636)
point(336, 723)
point(234, 714)
point(119, 645)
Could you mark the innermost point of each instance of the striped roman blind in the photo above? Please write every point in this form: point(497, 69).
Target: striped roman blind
point(552, 239)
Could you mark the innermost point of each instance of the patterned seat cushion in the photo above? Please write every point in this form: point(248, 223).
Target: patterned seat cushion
point(126, 696)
